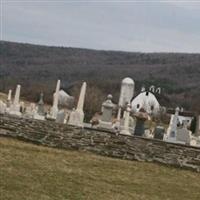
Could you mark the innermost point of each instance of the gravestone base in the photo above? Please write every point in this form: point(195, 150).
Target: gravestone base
point(105, 125)
point(15, 113)
point(183, 135)
point(125, 132)
point(28, 115)
point(53, 113)
point(38, 117)
point(15, 110)
point(76, 118)
point(171, 139)
point(61, 117)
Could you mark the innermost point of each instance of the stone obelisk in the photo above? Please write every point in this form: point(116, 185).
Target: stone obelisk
point(77, 116)
point(15, 107)
point(17, 95)
point(54, 109)
point(9, 99)
point(172, 129)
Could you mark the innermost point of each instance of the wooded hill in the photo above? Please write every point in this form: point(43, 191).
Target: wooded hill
point(37, 68)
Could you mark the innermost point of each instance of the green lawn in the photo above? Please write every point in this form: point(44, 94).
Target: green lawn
point(31, 172)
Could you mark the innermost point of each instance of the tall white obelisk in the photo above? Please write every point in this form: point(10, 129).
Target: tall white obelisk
point(77, 116)
point(54, 108)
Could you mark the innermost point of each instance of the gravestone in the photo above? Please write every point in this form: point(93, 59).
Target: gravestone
point(125, 130)
point(2, 107)
point(126, 94)
point(65, 100)
point(147, 133)
point(183, 135)
point(77, 116)
point(54, 108)
point(9, 99)
point(40, 106)
point(127, 91)
point(15, 107)
point(172, 129)
point(159, 132)
point(107, 110)
point(61, 117)
point(30, 111)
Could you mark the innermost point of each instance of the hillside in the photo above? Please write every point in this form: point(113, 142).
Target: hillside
point(33, 172)
point(38, 67)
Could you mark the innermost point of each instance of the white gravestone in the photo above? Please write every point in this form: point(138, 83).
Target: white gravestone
point(77, 116)
point(2, 107)
point(39, 112)
point(183, 135)
point(127, 91)
point(61, 117)
point(9, 99)
point(15, 107)
point(172, 129)
point(54, 109)
point(126, 94)
point(31, 110)
point(40, 106)
point(125, 130)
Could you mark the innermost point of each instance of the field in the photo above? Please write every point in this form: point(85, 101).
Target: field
point(31, 172)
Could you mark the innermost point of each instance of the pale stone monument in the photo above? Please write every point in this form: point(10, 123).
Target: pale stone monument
point(31, 111)
point(183, 135)
point(147, 133)
point(9, 99)
point(40, 106)
point(54, 108)
point(77, 116)
point(38, 112)
point(126, 94)
point(15, 107)
point(61, 116)
point(2, 107)
point(159, 132)
point(127, 91)
point(125, 130)
point(107, 110)
point(65, 100)
point(172, 129)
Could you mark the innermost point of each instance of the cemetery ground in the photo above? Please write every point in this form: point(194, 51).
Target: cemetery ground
point(31, 172)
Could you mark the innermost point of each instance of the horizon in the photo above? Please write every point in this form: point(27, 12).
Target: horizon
point(130, 26)
point(90, 49)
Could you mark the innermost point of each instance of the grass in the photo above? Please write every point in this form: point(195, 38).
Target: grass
point(31, 172)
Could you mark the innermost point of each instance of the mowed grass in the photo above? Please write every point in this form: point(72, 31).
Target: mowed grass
point(31, 172)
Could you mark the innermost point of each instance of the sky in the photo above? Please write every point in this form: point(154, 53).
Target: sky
point(139, 26)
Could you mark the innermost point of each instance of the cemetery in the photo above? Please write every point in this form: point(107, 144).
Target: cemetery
point(136, 128)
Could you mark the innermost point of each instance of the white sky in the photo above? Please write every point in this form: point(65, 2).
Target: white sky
point(147, 26)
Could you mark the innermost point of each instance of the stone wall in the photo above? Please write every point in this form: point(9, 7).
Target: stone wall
point(104, 143)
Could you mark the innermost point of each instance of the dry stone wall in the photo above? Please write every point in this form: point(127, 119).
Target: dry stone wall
point(104, 143)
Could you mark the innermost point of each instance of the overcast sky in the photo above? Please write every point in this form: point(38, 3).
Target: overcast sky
point(146, 26)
